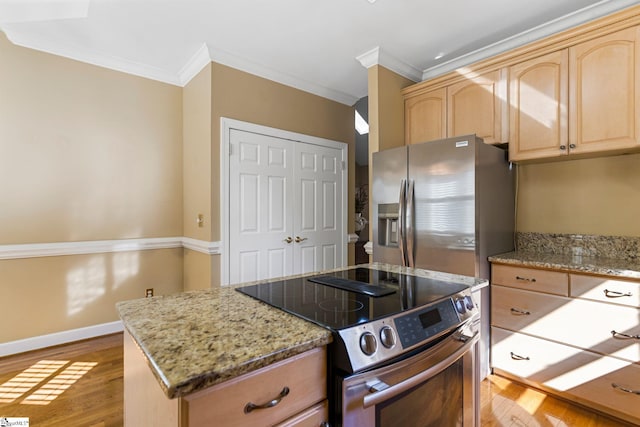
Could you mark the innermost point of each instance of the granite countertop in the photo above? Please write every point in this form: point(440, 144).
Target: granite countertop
point(193, 340)
point(615, 267)
point(196, 339)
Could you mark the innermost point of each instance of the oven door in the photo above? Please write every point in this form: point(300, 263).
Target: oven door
point(437, 387)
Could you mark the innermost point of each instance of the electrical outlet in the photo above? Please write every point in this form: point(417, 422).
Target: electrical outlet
point(148, 293)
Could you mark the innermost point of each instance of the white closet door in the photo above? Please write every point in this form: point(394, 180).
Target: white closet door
point(261, 207)
point(318, 208)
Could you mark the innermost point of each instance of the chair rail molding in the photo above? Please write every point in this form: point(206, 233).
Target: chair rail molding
point(37, 250)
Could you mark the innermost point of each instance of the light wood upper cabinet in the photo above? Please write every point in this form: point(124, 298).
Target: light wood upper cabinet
point(539, 93)
point(479, 105)
point(604, 92)
point(577, 101)
point(425, 117)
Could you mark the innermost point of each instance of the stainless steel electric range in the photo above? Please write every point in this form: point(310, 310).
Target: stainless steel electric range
point(404, 349)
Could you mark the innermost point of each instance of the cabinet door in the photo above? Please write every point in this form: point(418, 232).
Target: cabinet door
point(425, 117)
point(603, 93)
point(538, 97)
point(478, 105)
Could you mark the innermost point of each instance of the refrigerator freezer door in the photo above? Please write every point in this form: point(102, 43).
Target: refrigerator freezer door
point(444, 214)
point(389, 172)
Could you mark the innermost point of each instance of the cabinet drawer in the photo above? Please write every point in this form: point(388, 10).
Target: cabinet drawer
point(312, 417)
point(582, 323)
point(304, 375)
point(579, 375)
point(551, 282)
point(604, 289)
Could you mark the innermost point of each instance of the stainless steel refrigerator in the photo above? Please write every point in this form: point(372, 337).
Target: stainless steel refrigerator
point(445, 205)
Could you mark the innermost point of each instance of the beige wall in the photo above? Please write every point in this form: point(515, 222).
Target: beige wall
point(242, 96)
point(589, 196)
point(197, 182)
point(53, 294)
point(386, 114)
point(92, 154)
point(386, 108)
point(200, 270)
point(85, 154)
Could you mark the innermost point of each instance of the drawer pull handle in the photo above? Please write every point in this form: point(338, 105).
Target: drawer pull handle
point(518, 357)
point(620, 335)
point(251, 406)
point(518, 312)
point(625, 389)
point(526, 279)
point(615, 294)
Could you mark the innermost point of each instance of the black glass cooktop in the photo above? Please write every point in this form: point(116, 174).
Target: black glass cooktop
point(347, 298)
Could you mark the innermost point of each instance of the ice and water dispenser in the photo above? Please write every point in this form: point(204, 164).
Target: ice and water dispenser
point(388, 224)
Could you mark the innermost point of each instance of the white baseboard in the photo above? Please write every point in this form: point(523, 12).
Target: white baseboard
point(43, 341)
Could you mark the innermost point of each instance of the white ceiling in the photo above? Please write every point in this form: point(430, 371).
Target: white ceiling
point(318, 46)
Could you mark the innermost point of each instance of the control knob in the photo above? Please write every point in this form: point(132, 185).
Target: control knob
point(469, 303)
point(460, 306)
point(387, 337)
point(368, 343)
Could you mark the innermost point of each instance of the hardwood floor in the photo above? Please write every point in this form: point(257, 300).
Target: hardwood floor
point(508, 403)
point(61, 386)
point(80, 384)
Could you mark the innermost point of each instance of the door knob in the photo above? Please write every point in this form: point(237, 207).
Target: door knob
point(300, 239)
point(288, 239)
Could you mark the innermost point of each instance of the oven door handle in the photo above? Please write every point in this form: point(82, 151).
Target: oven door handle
point(394, 390)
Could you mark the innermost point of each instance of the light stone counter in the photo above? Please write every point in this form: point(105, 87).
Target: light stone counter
point(616, 256)
point(622, 268)
point(194, 340)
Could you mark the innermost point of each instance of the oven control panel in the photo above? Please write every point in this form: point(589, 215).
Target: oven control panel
point(419, 326)
point(374, 342)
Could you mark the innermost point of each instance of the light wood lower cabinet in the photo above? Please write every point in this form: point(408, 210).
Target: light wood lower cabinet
point(299, 383)
point(584, 377)
point(585, 324)
point(575, 335)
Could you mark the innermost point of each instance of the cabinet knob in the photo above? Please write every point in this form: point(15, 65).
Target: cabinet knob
point(563, 147)
point(572, 146)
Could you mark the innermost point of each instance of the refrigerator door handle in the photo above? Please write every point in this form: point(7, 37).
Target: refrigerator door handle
point(409, 225)
point(401, 221)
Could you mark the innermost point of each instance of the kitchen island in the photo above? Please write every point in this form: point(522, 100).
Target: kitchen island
point(181, 349)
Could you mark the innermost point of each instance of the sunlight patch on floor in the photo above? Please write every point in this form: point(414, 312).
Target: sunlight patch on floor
point(530, 400)
point(58, 384)
point(32, 377)
point(26, 380)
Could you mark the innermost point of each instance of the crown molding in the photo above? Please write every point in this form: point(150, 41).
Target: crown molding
point(377, 56)
point(597, 10)
point(194, 65)
point(191, 68)
point(234, 61)
point(90, 57)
